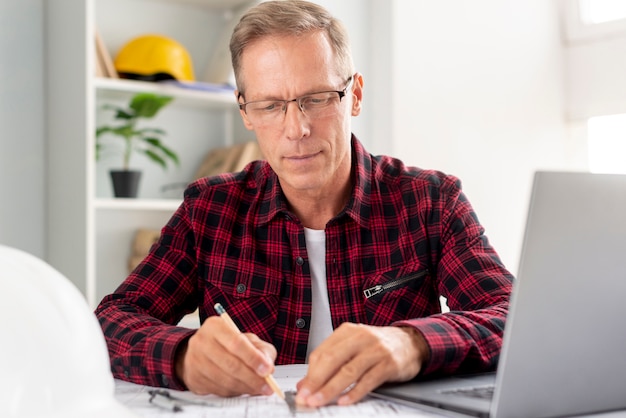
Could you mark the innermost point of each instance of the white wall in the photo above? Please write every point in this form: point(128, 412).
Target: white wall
point(596, 77)
point(595, 65)
point(475, 89)
point(595, 81)
point(478, 92)
point(22, 146)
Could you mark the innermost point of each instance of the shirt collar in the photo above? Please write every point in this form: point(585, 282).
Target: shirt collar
point(358, 207)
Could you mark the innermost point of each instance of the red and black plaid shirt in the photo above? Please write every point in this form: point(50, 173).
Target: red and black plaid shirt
point(406, 237)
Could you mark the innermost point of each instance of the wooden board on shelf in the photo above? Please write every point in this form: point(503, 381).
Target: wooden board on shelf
point(229, 159)
point(104, 63)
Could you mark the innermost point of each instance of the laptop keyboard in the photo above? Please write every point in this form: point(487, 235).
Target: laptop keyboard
point(480, 392)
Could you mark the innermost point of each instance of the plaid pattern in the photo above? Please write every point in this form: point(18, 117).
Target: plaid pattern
point(406, 236)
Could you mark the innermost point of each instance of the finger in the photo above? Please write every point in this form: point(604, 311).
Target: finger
point(203, 371)
point(212, 378)
point(328, 359)
point(369, 381)
point(324, 363)
point(248, 358)
point(355, 360)
point(213, 362)
point(347, 377)
point(268, 349)
point(234, 369)
point(242, 347)
point(400, 353)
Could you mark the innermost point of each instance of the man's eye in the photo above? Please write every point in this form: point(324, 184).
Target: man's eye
point(314, 101)
point(268, 107)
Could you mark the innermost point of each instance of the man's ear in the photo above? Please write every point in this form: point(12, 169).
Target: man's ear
point(244, 117)
point(357, 94)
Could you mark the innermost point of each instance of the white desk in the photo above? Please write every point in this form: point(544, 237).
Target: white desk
point(136, 397)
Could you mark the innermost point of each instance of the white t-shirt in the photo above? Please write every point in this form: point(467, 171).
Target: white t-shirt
point(321, 324)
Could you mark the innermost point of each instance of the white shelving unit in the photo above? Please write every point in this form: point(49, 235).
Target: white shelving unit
point(89, 232)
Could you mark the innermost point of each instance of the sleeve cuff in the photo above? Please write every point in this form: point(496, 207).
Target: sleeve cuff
point(446, 347)
point(162, 351)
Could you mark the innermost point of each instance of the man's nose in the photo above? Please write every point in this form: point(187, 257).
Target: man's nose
point(296, 101)
point(296, 122)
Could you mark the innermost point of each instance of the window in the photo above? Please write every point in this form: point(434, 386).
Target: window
point(606, 141)
point(600, 11)
point(588, 20)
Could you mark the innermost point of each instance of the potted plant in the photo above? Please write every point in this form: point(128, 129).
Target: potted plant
point(143, 140)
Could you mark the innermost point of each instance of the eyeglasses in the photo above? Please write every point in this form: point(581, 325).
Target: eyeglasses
point(313, 105)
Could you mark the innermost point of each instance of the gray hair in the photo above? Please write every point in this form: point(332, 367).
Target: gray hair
point(290, 18)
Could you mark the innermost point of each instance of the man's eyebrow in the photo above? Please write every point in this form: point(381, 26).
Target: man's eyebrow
point(274, 97)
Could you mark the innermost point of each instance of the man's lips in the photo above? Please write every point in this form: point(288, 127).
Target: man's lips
point(302, 156)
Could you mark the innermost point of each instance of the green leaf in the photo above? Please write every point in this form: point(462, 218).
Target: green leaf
point(156, 158)
point(153, 141)
point(170, 153)
point(124, 131)
point(152, 130)
point(147, 105)
point(122, 114)
point(103, 129)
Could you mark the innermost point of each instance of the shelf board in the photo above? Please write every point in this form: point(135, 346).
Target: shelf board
point(122, 89)
point(137, 204)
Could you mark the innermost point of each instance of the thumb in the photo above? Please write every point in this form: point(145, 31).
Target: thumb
point(266, 348)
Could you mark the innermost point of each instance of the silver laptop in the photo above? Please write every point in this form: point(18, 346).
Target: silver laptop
point(564, 349)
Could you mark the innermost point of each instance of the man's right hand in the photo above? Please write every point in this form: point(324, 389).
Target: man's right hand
point(218, 360)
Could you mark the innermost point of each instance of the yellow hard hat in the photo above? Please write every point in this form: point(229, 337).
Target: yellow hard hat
point(154, 58)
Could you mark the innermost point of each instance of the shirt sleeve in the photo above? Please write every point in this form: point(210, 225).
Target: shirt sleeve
point(477, 286)
point(139, 318)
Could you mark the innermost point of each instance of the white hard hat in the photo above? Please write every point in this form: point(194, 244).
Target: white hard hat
point(53, 357)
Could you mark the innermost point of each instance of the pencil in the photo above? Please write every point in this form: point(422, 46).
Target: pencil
point(269, 378)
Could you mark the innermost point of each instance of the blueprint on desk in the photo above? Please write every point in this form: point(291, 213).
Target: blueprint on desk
point(137, 398)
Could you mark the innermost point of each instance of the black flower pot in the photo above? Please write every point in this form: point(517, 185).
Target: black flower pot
point(125, 182)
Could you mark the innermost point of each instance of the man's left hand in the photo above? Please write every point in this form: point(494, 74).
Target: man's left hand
point(358, 358)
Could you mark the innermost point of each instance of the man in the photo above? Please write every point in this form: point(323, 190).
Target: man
point(322, 253)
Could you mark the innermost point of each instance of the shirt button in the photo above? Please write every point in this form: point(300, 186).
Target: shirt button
point(299, 261)
point(241, 288)
point(300, 323)
point(165, 380)
point(126, 373)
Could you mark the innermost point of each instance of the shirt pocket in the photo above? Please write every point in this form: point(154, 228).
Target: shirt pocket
point(239, 283)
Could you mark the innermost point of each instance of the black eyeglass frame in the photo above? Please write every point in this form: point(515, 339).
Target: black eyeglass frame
point(341, 93)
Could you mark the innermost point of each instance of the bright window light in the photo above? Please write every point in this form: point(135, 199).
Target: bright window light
point(606, 141)
point(599, 11)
